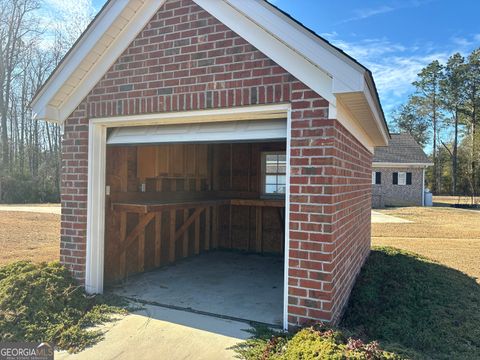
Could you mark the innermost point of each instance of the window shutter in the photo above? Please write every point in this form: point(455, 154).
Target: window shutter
point(409, 178)
point(395, 178)
point(378, 177)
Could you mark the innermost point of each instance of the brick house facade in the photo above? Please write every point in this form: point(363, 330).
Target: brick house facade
point(185, 59)
point(398, 177)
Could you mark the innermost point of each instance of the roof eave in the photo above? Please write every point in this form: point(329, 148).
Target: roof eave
point(391, 164)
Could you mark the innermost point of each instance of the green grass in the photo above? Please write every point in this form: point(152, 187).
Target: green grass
point(413, 307)
point(407, 301)
point(42, 302)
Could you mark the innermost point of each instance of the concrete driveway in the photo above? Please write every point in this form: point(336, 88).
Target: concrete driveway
point(35, 208)
point(157, 333)
point(380, 218)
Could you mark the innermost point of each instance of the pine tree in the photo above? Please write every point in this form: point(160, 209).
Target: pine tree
point(429, 106)
point(452, 89)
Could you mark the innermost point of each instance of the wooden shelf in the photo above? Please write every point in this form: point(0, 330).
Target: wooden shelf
point(145, 207)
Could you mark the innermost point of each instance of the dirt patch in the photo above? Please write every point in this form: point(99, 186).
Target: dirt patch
point(29, 236)
point(450, 236)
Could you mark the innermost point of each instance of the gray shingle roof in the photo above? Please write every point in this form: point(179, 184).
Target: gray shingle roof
point(402, 149)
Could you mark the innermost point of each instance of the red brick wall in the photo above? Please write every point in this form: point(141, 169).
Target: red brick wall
point(329, 215)
point(186, 60)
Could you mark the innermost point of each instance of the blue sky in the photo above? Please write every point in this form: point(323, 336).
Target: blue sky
point(394, 38)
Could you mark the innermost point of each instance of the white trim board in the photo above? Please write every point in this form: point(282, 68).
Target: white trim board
point(313, 61)
point(400, 165)
point(229, 131)
point(94, 272)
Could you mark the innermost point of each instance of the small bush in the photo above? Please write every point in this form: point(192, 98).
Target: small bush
point(42, 302)
point(313, 343)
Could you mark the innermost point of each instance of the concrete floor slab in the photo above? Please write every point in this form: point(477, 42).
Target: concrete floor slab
point(158, 333)
point(248, 287)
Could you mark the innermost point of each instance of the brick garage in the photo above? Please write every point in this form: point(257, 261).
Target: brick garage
point(204, 62)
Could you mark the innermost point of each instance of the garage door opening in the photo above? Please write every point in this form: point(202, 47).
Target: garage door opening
point(195, 217)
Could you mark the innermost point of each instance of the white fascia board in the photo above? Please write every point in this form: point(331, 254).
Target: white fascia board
point(238, 16)
point(47, 113)
point(88, 42)
point(113, 52)
point(345, 76)
point(376, 110)
point(400, 165)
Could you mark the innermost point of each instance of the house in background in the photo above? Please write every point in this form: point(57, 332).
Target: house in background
point(196, 128)
point(398, 173)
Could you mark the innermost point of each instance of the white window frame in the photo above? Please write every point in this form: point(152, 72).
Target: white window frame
point(264, 174)
point(402, 178)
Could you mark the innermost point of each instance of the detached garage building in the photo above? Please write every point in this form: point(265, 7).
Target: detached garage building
point(197, 128)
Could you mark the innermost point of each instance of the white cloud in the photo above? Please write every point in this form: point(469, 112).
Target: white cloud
point(394, 65)
point(365, 13)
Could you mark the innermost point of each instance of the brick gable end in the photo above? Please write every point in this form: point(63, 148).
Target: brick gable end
point(185, 59)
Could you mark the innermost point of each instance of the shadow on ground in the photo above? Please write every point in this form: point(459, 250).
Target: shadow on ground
point(408, 302)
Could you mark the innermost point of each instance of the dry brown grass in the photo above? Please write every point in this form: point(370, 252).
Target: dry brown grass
point(449, 236)
point(29, 236)
point(450, 200)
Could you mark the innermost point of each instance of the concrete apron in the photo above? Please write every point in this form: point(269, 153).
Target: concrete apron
point(158, 333)
point(230, 285)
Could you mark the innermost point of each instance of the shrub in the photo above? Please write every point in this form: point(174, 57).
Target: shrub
point(313, 343)
point(42, 302)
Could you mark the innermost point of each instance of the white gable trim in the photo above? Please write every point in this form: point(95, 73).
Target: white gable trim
point(134, 15)
point(235, 14)
point(314, 62)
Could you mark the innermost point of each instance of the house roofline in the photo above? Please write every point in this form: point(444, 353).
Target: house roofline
point(377, 164)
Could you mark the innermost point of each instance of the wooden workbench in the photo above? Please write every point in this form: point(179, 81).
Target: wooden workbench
point(149, 211)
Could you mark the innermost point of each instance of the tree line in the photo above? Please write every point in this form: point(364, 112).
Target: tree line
point(30, 49)
point(442, 114)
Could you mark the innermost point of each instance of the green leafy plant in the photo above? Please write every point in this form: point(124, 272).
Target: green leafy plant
point(313, 343)
point(42, 302)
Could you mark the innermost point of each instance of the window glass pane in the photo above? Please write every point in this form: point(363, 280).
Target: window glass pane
point(271, 179)
point(270, 189)
point(275, 170)
point(402, 178)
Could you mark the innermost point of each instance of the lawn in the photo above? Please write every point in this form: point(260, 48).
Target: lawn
point(29, 236)
point(423, 306)
point(447, 235)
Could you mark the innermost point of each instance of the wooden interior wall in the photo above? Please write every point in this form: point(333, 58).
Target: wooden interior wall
point(237, 169)
point(177, 172)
